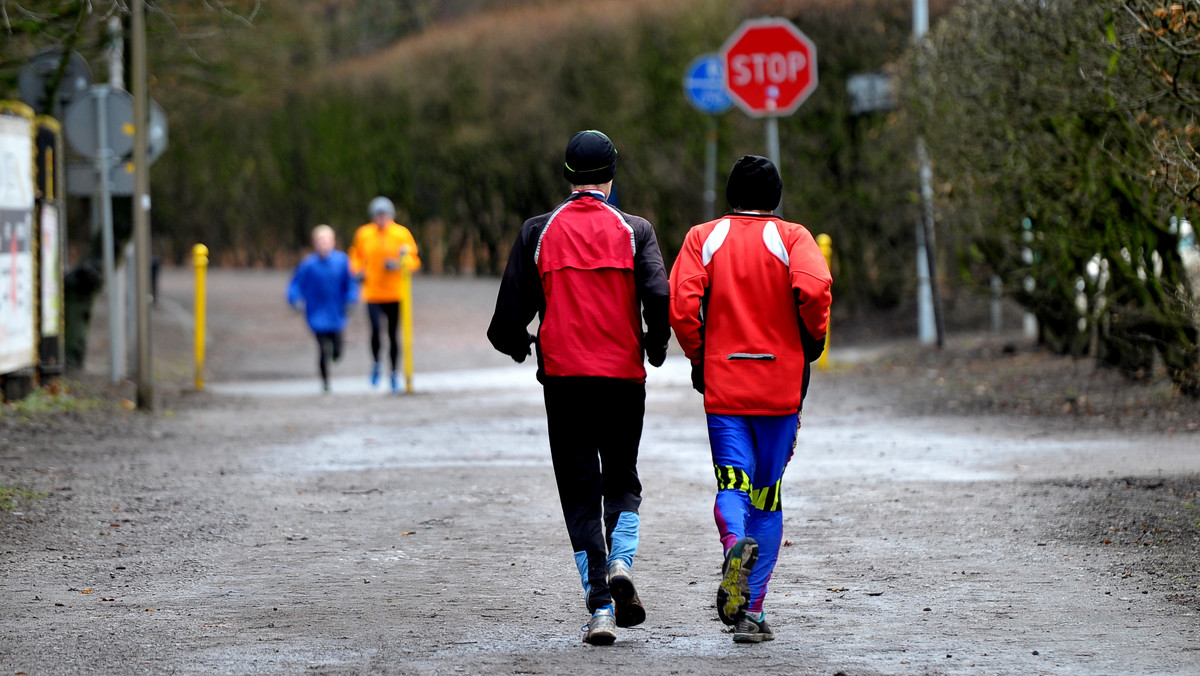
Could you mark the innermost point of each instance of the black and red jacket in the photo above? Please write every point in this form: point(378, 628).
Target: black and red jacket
point(585, 269)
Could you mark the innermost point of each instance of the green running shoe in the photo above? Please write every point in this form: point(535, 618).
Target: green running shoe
point(733, 595)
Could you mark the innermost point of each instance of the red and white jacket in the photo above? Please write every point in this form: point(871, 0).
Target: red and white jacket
point(750, 300)
point(585, 269)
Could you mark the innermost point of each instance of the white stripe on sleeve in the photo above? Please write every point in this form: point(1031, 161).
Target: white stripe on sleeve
point(714, 241)
point(774, 242)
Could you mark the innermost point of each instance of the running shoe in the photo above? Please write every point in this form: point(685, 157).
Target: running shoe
point(733, 595)
point(629, 607)
point(749, 630)
point(395, 383)
point(375, 374)
point(602, 629)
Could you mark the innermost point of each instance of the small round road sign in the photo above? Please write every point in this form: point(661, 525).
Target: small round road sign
point(704, 85)
point(770, 67)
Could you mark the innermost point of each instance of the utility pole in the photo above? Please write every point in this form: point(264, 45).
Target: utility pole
point(141, 207)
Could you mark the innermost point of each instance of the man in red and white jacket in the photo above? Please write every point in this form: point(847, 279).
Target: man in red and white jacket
point(750, 297)
point(586, 269)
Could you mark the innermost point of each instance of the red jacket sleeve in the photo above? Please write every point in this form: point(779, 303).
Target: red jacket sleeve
point(811, 283)
point(689, 283)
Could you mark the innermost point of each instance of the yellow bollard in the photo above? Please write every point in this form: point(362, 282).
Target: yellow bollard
point(826, 244)
point(200, 260)
point(406, 328)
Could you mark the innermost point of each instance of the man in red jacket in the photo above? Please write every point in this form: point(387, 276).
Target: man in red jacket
point(750, 306)
point(586, 269)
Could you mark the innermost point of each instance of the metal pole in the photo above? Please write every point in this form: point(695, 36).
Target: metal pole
point(773, 152)
point(116, 339)
point(200, 261)
point(141, 208)
point(406, 327)
point(710, 171)
point(997, 309)
point(920, 18)
point(928, 293)
point(826, 243)
point(928, 240)
point(926, 331)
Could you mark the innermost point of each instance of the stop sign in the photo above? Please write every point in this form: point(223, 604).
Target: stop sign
point(770, 67)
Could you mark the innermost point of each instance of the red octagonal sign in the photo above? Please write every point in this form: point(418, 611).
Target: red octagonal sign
point(770, 67)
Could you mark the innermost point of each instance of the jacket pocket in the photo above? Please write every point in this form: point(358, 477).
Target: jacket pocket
point(750, 356)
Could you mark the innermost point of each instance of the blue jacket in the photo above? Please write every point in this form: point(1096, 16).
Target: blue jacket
point(326, 287)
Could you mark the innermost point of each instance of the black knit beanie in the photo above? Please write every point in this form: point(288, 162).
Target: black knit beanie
point(754, 184)
point(591, 159)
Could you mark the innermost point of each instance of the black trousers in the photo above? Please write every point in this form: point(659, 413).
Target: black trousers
point(329, 347)
point(377, 313)
point(595, 426)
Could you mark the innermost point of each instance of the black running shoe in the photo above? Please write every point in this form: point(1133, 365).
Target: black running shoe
point(630, 612)
point(752, 631)
point(733, 595)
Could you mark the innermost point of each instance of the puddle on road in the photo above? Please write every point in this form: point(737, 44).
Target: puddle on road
point(836, 443)
point(513, 442)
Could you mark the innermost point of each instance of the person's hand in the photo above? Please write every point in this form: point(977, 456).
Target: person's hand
point(698, 376)
point(655, 354)
point(297, 307)
point(392, 264)
point(360, 277)
point(520, 357)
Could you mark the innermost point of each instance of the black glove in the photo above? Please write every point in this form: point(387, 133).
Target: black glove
point(519, 357)
point(655, 354)
point(698, 376)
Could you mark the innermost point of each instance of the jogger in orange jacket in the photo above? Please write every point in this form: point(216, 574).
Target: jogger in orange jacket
point(378, 255)
point(750, 296)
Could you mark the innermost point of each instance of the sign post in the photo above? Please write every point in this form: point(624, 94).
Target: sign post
point(770, 69)
point(100, 126)
point(704, 86)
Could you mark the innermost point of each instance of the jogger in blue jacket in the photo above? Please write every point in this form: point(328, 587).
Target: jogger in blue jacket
point(325, 287)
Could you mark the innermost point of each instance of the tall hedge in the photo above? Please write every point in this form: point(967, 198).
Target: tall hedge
point(464, 125)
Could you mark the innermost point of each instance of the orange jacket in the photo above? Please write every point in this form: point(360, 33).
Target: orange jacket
point(375, 256)
point(750, 299)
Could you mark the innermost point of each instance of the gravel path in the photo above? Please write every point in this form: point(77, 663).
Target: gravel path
point(260, 527)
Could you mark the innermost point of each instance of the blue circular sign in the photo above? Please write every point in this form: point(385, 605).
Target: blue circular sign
point(704, 85)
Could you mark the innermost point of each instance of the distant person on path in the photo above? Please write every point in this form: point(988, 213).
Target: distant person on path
point(586, 269)
point(380, 250)
point(750, 306)
point(324, 286)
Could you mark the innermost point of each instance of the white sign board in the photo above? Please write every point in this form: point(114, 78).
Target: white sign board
point(16, 244)
point(49, 268)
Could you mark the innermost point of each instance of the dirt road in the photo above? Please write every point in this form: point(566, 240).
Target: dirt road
point(260, 527)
